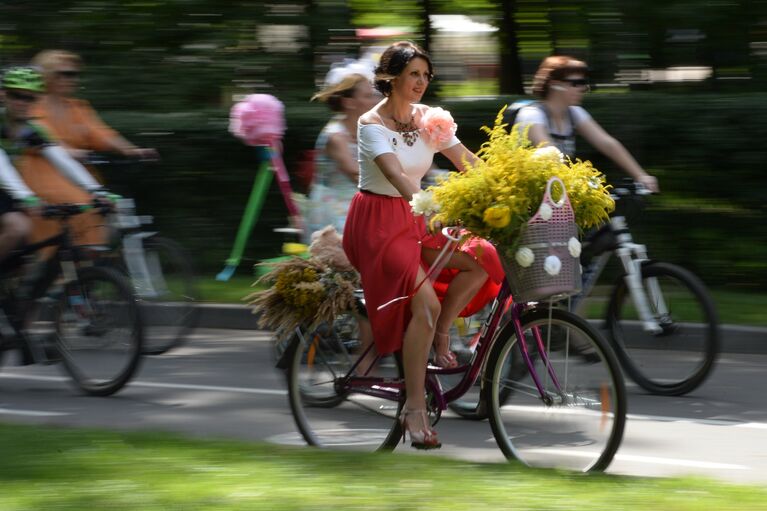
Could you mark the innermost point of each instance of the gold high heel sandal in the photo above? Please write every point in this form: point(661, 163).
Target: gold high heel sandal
point(425, 438)
point(443, 357)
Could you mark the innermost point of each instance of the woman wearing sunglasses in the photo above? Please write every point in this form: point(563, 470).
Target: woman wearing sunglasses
point(555, 119)
point(73, 122)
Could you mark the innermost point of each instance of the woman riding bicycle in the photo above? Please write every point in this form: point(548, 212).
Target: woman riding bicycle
point(390, 247)
point(46, 168)
point(349, 93)
point(72, 121)
point(560, 83)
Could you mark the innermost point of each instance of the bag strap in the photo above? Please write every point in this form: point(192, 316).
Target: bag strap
point(545, 110)
point(563, 200)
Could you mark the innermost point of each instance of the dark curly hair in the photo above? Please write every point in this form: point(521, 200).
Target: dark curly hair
point(556, 67)
point(394, 60)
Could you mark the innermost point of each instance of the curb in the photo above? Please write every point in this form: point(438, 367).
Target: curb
point(735, 338)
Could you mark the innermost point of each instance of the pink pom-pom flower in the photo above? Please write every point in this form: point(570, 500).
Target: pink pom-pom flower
point(438, 125)
point(258, 119)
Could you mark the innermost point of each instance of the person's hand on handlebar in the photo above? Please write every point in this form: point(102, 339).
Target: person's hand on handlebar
point(432, 227)
point(143, 153)
point(31, 205)
point(81, 155)
point(649, 182)
point(104, 201)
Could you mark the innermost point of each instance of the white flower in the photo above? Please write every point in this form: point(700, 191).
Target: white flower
point(524, 257)
point(545, 211)
point(574, 247)
point(423, 203)
point(552, 265)
point(549, 152)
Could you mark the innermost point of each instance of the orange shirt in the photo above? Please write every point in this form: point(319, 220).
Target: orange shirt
point(77, 126)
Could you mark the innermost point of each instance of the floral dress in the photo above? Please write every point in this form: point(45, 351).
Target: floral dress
point(332, 191)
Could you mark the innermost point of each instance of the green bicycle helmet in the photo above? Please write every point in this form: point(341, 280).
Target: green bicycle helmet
point(24, 78)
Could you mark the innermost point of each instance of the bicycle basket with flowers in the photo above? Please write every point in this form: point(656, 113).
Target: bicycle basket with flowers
point(307, 291)
point(513, 196)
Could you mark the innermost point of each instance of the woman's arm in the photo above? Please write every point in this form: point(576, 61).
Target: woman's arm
point(68, 166)
point(392, 170)
point(613, 149)
point(458, 154)
point(337, 149)
point(537, 134)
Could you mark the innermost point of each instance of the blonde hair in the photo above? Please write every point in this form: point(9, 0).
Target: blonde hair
point(48, 60)
point(334, 94)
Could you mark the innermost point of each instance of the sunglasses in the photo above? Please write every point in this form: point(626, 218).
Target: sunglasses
point(576, 82)
point(70, 73)
point(20, 96)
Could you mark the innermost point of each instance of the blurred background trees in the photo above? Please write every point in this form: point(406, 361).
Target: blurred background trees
point(681, 82)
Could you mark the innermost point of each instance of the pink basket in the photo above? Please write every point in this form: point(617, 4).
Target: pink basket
point(550, 240)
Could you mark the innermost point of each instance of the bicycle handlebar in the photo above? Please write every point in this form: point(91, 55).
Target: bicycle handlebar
point(630, 188)
point(104, 159)
point(63, 211)
point(447, 233)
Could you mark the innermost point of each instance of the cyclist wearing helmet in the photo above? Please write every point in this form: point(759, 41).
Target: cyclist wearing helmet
point(46, 170)
point(15, 195)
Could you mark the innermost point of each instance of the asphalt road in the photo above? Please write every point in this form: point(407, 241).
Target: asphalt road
point(222, 384)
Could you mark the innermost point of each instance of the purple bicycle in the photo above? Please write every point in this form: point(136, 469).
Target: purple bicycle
point(550, 384)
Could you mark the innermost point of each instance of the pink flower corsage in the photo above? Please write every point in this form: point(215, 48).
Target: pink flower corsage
point(258, 119)
point(438, 125)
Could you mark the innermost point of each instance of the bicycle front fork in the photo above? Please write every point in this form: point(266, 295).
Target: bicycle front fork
point(645, 292)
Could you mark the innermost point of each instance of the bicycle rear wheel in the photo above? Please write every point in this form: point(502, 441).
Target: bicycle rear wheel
point(328, 413)
point(680, 357)
point(99, 330)
point(578, 422)
point(168, 292)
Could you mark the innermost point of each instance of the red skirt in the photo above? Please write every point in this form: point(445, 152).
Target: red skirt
point(383, 239)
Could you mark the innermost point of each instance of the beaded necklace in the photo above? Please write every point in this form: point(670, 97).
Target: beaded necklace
point(408, 130)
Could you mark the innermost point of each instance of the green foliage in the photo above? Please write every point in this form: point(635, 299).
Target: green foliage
point(708, 218)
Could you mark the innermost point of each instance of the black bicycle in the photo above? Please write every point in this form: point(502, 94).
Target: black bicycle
point(162, 273)
point(63, 308)
point(660, 319)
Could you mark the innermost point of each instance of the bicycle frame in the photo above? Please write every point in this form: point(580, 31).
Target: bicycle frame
point(632, 256)
point(393, 389)
point(63, 262)
point(146, 275)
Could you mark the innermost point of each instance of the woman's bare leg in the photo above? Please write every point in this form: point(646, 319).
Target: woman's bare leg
point(463, 287)
point(366, 340)
point(415, 348)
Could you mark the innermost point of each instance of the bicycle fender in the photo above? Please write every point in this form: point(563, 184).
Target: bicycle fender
point(283, 361)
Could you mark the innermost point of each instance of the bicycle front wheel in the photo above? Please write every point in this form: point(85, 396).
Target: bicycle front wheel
point(679, 357)
point(99, 330)
point(576, 420)
point(167, 287)
point(327, 412)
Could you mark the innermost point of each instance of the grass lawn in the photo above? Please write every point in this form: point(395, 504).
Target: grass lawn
point(232, 291)
point(63, 469)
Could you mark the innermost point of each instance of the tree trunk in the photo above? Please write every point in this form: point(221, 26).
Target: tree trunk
point(511, 70)
point(426, 24)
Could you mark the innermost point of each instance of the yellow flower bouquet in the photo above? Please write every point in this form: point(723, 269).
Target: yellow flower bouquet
point(496, 197)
